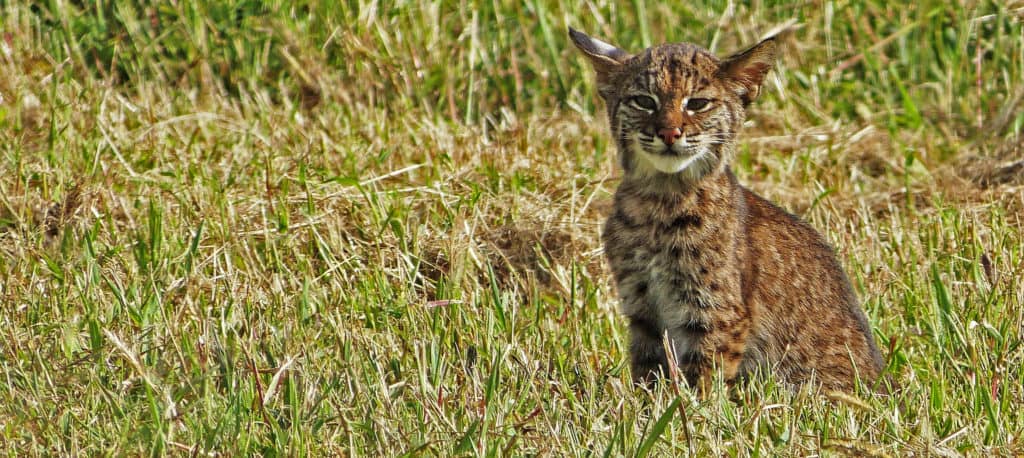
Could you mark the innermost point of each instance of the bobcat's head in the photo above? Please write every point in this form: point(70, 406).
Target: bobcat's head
point(675, 109)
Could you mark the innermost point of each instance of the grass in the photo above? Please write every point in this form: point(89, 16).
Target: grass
point(372, 228)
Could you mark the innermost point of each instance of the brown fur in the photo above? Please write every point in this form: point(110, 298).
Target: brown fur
point(708, 273)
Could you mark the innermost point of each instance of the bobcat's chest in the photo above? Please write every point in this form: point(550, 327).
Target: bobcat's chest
point(660, 271)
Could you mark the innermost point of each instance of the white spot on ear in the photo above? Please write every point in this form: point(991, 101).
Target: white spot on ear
point(603, 48)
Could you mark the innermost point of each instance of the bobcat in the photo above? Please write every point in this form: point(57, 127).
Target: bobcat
point(710, 275)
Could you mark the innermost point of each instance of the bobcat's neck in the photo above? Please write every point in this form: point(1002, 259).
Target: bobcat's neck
point(711, 202)
point(653, 183)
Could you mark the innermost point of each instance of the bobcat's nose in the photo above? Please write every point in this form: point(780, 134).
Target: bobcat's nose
point(670, 135)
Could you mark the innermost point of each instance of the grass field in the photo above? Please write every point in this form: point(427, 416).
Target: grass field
point(372, 228)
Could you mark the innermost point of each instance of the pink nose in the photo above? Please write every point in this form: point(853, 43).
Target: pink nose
point(670, 135)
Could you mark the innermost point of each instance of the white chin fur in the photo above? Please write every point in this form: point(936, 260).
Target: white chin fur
point(670, 164)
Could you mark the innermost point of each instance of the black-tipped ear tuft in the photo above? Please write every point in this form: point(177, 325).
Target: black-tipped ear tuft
point(605, 58)
point(596, 49)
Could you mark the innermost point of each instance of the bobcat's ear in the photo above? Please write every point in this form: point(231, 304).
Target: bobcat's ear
point(748, 69)
point(605, 58)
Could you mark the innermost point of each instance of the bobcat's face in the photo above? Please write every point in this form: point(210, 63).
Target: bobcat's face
point(675, 108)
point(669, 110)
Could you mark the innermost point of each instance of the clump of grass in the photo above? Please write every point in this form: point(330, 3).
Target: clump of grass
point(373, 229)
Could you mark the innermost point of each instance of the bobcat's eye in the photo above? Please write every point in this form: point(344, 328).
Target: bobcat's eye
point(698, 105)
point(644, 102)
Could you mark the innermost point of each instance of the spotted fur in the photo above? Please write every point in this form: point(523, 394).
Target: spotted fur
point(709, 274)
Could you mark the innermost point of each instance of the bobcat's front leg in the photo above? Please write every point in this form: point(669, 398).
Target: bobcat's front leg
point(646, 351)
point(722, 347)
